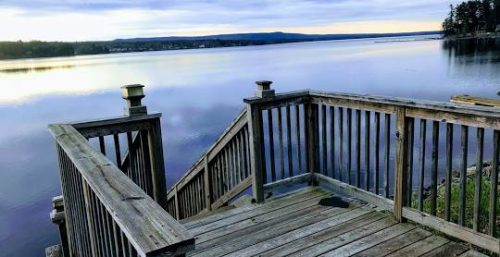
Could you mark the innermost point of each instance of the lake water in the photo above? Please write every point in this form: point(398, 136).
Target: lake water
point(199, 92)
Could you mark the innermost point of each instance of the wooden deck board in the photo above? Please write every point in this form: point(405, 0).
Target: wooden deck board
point(296, 225)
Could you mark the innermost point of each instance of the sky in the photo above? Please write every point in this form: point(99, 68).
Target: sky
point(80, 20)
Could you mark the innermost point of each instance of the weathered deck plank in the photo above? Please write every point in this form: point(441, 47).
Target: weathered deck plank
point(297, 225)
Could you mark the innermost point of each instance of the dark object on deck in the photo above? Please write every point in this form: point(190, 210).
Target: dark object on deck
point(334, 201)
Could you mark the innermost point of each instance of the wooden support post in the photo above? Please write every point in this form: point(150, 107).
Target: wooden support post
point(400, 194)
point(57, 216)
point(256, 138)
point(207, 177)
point(157, 163)
point(311, 134)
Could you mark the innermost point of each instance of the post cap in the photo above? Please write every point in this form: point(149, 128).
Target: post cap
point(264, 89)
point(263, 84)
point(133, 95)
point(134, 90)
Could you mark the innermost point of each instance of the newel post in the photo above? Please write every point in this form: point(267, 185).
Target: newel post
point(311, 114)
point(152, 138)
point(401, 189)
point(57, 216)
point(256, 137)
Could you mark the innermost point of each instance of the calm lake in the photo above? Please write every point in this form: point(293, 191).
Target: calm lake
point(199, 92)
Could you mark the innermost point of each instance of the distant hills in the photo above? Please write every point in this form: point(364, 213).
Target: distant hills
point(39, 49)
point(279, 36)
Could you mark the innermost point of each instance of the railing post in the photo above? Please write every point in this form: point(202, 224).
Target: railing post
point(312, 139)
point(157, 163)
point(208, 186)
point(58, 217)
point(133, 95)
point(256, 138)
point(401, 188)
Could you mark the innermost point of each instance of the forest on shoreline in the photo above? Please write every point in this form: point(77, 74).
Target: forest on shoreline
point(472, 18)
point(41, 49)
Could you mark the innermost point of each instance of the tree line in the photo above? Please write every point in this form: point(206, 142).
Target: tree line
point(38, 49)
point(472, 17)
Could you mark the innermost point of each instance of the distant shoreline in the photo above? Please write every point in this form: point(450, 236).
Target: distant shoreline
point(40, 49)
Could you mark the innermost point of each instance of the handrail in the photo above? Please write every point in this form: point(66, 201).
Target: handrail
point(143, 138)
point(107, 213)
point(221, 173)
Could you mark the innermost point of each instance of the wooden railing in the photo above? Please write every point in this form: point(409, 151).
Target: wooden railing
point(109, 209)
point(143, 159)
point(218, 176)
point(370, 147)
point(366, 146)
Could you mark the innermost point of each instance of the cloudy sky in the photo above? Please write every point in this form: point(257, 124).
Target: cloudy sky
point(71, 20)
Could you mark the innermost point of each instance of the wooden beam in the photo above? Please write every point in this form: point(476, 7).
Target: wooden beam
point(346, 189)
point(454, 230)
point(287, 182)
point(234, 192)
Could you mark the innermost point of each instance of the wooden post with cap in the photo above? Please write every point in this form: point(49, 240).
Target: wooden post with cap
point(256, 138)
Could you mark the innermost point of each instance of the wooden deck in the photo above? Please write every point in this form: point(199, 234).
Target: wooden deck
point(307, 223)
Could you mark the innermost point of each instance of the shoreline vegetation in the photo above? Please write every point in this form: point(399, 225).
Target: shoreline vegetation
point(455, 192)
point(474, 19)
point(42, 49)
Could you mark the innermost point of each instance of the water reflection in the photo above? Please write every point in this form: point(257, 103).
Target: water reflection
point(199, 92)
point(34, 69)
point(485, 50)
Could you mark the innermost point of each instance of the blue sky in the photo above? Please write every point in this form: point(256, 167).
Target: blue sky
point(102, 20)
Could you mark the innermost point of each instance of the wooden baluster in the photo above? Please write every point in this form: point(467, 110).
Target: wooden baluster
point(358, 148)
point(367, 150)
point(376, 156)
point(323, 139)
point(341, 142)
point(387, 153)
point(423, 135)
point(494, 185)
point(271, 144)
point(410, 146)
point(207, 178)
point(280, 143)
point(349, 144)
point(118, 155)
point(239, 159)
point(332, 140)
point(131, 165)
point(90, 218)
point(102, 145)
point(299, 143)
point(177, 203)
point(289, 141)
point(434, 167)
point(478, 179)
point(449, 169)
point(227, 171)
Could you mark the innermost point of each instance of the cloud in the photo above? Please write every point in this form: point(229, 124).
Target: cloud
point(100, 19)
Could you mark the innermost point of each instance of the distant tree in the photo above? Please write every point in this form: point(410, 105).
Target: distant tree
point(497, 12)
point(471, 17)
